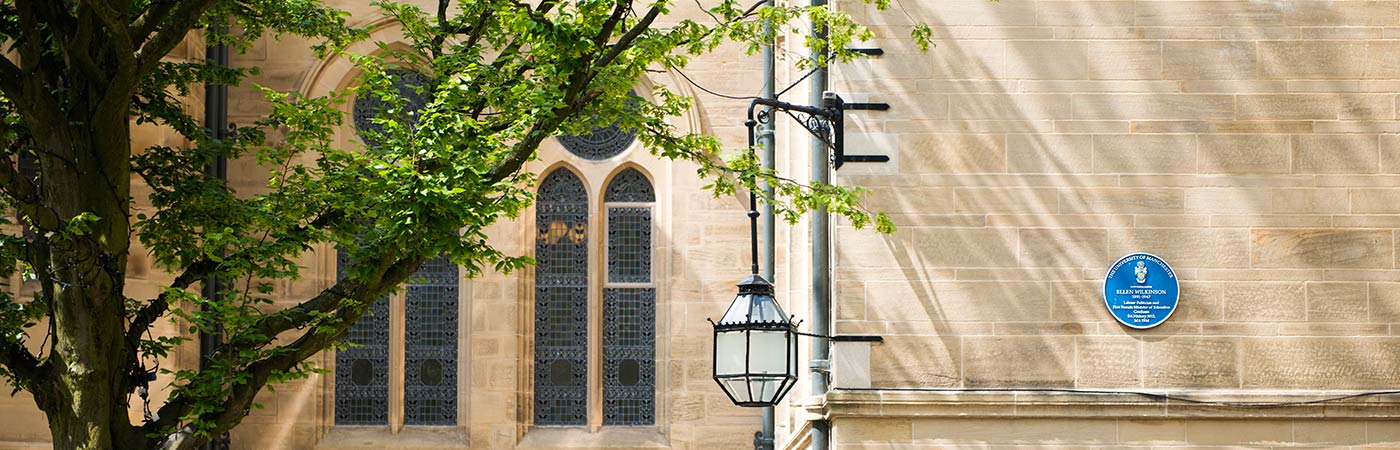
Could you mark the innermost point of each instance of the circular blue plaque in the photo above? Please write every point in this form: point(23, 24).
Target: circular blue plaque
point(1140, 290)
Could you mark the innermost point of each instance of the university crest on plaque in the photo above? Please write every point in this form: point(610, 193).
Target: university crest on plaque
point(1141, 290)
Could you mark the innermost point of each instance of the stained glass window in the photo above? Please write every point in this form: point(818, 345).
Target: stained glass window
point(362, 370)
point(368, 107)
point(561, 301)
point(629, 311)
point(430, 357)
point(602, 143)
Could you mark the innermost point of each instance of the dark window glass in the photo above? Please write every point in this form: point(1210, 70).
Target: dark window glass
point(362, 371)
point(561, 301)
point(407, 84)
point(629, 313)
point(629, 356)
point(430, 357)
point(602, 143)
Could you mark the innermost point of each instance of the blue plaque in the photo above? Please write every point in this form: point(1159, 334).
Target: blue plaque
point(1140, 290)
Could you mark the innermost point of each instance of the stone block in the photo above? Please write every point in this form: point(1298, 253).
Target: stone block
point(1185, 248)
point(1153, 106)
point(1375, 201)
point(1007, 201)
point(1084, 14)
point(1018, 361)
point(1009, 106)
point(1046, 60)
point(1122, 201)
point(1125, 60)
point(952, 153)
point(930, 247)
point(870, 430)
point(1337, 302)
point(979, 432)
point(1265, 302)
point(1243, 153)
point(1149, 431)
point(1323, 13)
point(936, 366)
point(1320, 363)
point(1139, 153)
point(1049, 153)
point(1309, 201)
point(1322, 248)
point(1040, 247)
point(957, 301)
point(1191, 362)
point(1384, 302)
point(1329, 433)
point(921, 200)
point(1207, 14)
point(1239, 433)
point(1208, 60)
point(1316, 60)
point(1107, 362)
point(1288, 107)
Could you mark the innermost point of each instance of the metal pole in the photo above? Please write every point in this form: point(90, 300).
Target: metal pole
point(821, 250)
point(216, 120)
point(769, 244)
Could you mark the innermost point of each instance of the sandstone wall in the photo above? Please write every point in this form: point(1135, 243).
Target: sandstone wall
point(1251, 144)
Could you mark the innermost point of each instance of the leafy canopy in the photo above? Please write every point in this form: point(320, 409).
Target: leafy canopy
point(500, 77)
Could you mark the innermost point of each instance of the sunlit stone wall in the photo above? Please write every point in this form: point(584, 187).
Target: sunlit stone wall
point(1251, 144)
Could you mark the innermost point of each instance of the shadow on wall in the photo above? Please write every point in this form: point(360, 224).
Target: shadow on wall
point(1039, 141)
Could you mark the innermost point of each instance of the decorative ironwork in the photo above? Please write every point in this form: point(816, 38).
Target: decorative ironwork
point(629, 245)
point(362, 371)
point(561, 301)
point(629, 186)
point(367, 108)
point(600, 144)
point(430, 361)
point(629, 356)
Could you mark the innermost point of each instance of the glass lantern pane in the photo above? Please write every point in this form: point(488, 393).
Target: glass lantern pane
point(739, 388)
point(764, 389)
point(768, 352)
point(729, 353)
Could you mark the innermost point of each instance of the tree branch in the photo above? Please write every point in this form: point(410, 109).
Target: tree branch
point(171, 32)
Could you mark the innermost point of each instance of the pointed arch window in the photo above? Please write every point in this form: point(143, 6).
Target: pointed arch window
point(625, 290)
point(561, 301)
point(425, 390)
point(629, 303)
point(362, 370)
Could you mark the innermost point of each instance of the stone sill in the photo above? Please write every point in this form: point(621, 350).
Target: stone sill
point(379, 438)
point(1099, 404)
point(541, 438)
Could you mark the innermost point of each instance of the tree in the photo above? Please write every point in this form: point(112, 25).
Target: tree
point(501, 77)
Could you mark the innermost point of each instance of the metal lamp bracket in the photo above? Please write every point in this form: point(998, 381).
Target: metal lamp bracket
point(826, 123)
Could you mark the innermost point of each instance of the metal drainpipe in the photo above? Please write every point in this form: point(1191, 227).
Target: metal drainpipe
point(821, 252)
point(765, 136)
point(216, 120)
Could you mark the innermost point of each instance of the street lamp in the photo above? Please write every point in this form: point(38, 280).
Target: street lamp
point(755, 359)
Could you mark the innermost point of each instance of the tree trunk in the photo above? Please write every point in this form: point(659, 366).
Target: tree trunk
point(84, 168)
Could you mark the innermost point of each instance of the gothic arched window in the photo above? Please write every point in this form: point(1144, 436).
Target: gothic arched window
point(561, 301)
point(429, 308)
point(362, 370)
point(629, 303)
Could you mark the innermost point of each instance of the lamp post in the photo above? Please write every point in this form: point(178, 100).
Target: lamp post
point(755, 347)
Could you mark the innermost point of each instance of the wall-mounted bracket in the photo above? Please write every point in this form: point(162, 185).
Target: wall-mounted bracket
point(826, 122)
point(868, 51)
